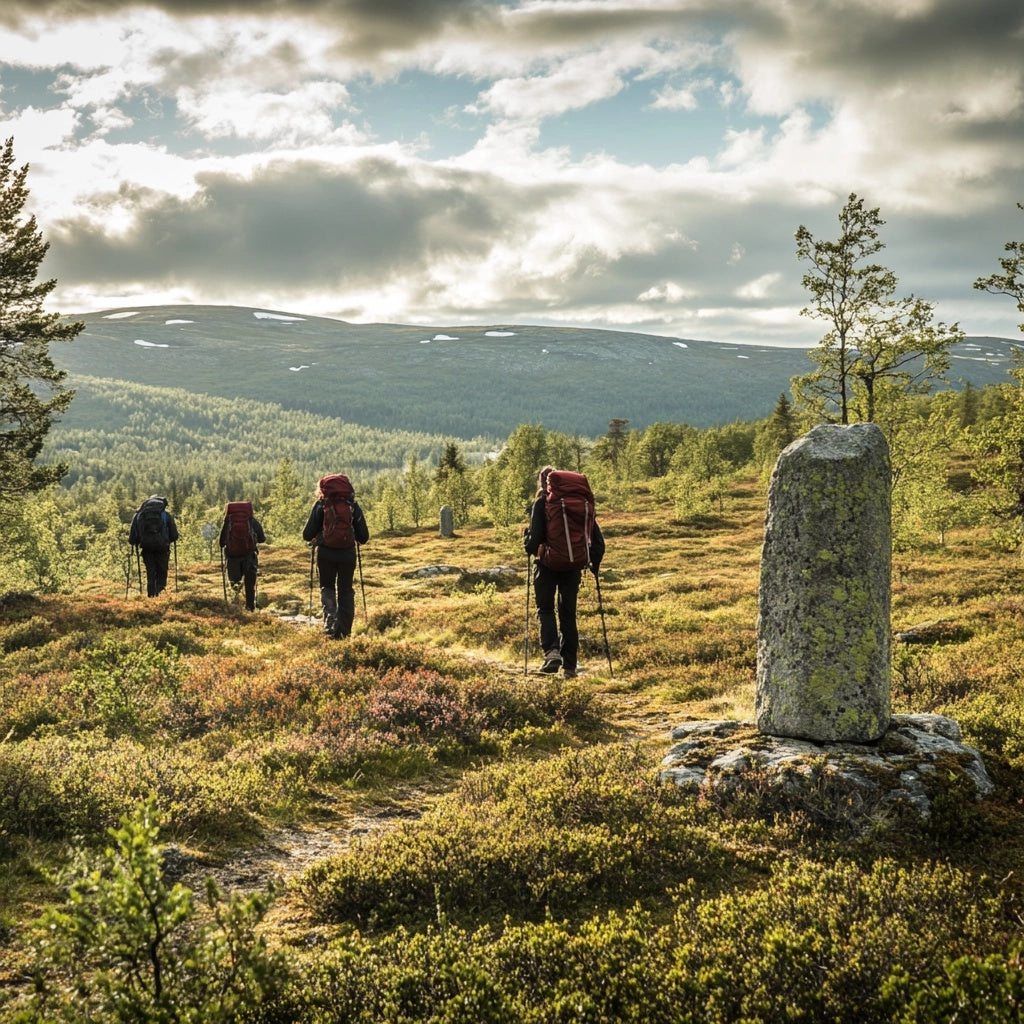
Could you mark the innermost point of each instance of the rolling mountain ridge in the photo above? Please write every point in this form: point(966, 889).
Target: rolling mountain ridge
point(459, 381)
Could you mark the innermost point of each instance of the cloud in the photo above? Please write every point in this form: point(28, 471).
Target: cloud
point(637, 163)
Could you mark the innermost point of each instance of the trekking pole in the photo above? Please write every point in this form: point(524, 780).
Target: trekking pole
point(223, 575)
point(604, 628)
point(312, 556)
point(362, 586)
point(175, 545)
point(526, 631)
point(138, 563)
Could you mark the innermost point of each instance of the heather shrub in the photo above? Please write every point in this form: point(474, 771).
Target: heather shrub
point(32, 632)
point(582, 829)
point(58, 787)
point(810, 942)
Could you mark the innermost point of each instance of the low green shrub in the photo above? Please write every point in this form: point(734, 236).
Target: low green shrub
point(127, 945)
point(812, 942)
point(582, 829)
point(56, 787)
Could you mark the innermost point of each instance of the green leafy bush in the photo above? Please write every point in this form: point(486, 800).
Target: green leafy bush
point(127, 684)
point(126, 945)
point(583, 829)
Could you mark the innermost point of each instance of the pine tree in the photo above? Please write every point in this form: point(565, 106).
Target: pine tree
point(31, 386)
point(874, 340)
point(1010, 280)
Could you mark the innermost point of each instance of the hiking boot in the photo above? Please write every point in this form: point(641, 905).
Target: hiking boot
point(552, 663)
point(569, 673)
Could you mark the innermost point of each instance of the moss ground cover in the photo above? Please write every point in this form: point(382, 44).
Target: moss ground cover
point(548, 878)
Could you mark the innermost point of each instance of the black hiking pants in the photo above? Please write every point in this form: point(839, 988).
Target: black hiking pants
point(157, 564)
point(336, 567)
point(558, 592)
point(243, 570)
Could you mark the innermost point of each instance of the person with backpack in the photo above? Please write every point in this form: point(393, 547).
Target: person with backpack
point(335, 526)
point(564, 536)
point(152, 532)
point(240, 536)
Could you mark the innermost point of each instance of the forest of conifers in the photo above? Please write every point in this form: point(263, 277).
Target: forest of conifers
point(201, 451)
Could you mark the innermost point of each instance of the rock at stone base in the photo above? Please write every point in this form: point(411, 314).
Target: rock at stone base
point(918, 756)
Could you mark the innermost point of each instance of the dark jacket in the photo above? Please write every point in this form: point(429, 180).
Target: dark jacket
point(537, 533)
point(315, 523)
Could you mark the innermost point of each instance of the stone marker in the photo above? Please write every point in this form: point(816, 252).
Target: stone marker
point(824, 596)
point(447, 521)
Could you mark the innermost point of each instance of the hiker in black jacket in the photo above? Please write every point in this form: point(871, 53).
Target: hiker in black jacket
point(152, 532)
point(336, 565)
point(556, 589)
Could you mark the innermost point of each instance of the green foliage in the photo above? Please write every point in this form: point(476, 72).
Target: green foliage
point(810, 942)
point(998, 444)
point(584, 829)
point(124, 682)
point(287, 505)
point(172, 441)
point(1009, 279)
point(876, 345)
point(127, 945)
point(32, 391)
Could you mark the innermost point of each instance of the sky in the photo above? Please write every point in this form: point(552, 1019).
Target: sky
point(638, 166)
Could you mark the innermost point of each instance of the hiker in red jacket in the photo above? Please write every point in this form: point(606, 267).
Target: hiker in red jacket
point(565, 537)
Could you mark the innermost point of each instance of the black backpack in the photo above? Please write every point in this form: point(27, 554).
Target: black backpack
point(153, 532)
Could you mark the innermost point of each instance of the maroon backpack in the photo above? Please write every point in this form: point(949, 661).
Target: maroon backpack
point(569, 510)
point(338, 498)
point(239, 540)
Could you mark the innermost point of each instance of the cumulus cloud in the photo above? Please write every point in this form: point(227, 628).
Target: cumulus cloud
point(612, 162)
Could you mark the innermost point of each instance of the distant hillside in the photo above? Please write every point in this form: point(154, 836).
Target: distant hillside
point(461, 382)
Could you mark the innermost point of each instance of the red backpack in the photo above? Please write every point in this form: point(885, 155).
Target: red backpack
point(338, 497)
point(239, 540)
point(569, 508)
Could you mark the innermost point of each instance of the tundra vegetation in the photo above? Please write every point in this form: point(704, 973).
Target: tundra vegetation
point(501, 848)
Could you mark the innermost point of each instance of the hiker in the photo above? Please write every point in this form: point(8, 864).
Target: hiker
point(558, 566)
point(239, 537)
point(335, 526)
point(152, 532)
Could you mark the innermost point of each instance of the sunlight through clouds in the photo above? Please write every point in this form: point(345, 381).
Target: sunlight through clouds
point(588, 162)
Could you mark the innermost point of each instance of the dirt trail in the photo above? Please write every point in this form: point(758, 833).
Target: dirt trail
point(284, 853)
